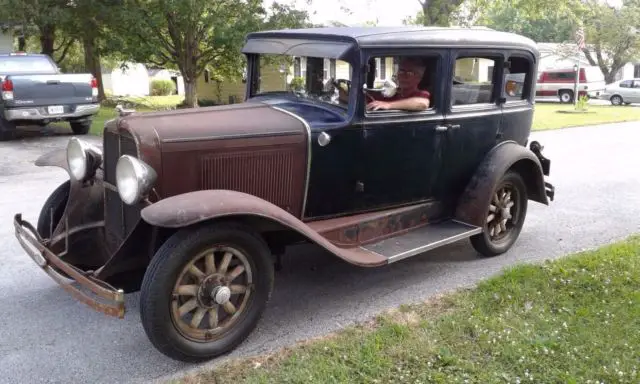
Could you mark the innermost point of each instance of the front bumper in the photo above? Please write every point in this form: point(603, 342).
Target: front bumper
point(40, 113)
point(37, 249)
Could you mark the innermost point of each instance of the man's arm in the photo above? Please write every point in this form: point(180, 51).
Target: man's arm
point(410, 104)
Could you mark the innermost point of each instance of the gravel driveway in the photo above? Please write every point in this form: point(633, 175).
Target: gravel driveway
point(48, 337)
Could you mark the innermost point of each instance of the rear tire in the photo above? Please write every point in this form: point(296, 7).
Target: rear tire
point(508, 206)
point(80, 127)
point(7, 130)
point(171, 290)
point(566, 96)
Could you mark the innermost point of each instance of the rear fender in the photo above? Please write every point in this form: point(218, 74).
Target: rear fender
point(509, 155)
point(195, 207)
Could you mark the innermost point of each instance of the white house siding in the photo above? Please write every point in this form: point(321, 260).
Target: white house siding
point(6, 42)
point(133, 81)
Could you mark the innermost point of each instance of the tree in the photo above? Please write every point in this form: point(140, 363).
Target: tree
point(612, 35)
point(194, 35)
point(611, 32)
point(41, 17)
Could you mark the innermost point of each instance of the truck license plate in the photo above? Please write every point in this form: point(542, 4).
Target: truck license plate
point(55, 109)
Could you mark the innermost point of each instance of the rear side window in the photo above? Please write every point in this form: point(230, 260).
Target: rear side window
point(25, 64)
point(517, 79)
point(473, 80)
point(625, 84)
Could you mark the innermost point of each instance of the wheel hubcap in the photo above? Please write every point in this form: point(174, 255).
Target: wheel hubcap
point(500, 218)
point(211, 293)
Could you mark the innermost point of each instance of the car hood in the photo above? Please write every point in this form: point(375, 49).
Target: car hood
point(249, 119)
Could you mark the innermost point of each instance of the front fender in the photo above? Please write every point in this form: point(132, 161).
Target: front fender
point(508, 155)
point(195, 207)
point(55, 158)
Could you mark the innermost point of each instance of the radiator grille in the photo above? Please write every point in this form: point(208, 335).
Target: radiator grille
point(266, 174)
point(120, 218)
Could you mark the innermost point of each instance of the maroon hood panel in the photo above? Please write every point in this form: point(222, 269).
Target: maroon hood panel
point(251, 119)
point(250, 147)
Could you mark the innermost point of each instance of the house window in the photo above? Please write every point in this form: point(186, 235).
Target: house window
point(490, 73)
point(332, 68)
point(383, 68)
point(636, 70)
point(206, 75)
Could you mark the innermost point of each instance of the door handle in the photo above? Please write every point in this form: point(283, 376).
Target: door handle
point(444, 128)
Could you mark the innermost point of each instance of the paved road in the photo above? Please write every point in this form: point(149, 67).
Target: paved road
point(47, 337)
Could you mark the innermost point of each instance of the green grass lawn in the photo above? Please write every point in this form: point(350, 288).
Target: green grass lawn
point(573, 320)
point(547, 115)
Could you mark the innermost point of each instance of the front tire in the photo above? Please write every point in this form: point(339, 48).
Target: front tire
point(51, 214)
point(616, 100)
point(504, 216)
point(205, 290)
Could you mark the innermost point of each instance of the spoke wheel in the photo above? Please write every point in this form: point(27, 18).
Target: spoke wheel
point(211, 293)
point(205, 290)
point(504, 216)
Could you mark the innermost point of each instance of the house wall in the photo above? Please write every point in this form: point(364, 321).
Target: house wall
point(6, 41)
point(271, 79)
point(472, 70)
point(133, 81)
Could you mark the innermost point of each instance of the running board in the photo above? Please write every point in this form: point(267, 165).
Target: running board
point(421, 240)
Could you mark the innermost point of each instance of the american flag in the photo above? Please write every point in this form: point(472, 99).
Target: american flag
point(580, 38)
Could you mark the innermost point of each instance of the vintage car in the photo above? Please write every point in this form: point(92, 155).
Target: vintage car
point(194, 207)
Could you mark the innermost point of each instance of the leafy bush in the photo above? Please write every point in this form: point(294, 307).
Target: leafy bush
point(162, 87)
point(297, 84)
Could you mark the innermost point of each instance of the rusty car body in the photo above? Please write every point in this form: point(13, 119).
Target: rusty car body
point(194, 206)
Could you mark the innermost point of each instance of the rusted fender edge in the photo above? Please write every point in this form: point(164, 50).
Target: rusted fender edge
point(473, 204)
point(194, 207)
point(55, 158)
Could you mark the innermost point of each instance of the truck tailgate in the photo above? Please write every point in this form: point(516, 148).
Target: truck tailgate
point(58, 89)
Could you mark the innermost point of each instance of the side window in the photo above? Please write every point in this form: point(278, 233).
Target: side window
point(472, 81)
point(636, 84)
point(517, 79)
point(625, 84)
point(411, 76)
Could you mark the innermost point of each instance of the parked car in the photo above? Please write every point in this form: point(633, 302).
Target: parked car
point(622, 92)
point(194, 207)
point(35, 92)
point(560, 82)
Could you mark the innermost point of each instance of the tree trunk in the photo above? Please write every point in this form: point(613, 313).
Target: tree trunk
point(47, 39)
point(190, 92)
point(22, 43)
point(92, 63)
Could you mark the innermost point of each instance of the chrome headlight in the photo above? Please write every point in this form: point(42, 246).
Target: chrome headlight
point(134, 179)
point(82, 159)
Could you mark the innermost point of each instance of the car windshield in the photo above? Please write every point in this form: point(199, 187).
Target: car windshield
point(313, 78)
point(25, 64)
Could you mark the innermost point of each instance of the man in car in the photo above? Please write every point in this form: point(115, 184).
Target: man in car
point(408, 97)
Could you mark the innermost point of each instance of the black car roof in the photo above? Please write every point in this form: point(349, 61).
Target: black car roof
point(406, 36)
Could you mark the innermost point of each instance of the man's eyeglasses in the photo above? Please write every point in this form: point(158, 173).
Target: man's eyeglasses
point(404, 72)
